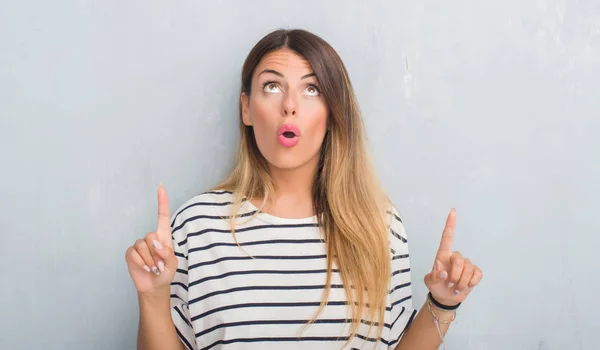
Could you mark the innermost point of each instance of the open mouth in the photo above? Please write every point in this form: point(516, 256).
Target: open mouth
point(288, 135)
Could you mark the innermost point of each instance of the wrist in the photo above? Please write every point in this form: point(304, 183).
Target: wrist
point(158, 296)
point(442, 304)
point(441, 313)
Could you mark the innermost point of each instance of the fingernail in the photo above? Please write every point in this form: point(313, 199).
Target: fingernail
point(161, 266)
point(146, 268)
point(450, 285)
point(443, 275)
point(157, 244)
point(155, 271)
point(456, 291)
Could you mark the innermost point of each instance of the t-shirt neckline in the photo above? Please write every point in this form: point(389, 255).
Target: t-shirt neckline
point(272, 219)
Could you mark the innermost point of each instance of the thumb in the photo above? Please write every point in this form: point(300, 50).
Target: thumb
point(438, 273)
point(167, 254)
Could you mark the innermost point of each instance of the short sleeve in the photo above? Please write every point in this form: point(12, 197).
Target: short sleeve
point(179, 289)
point(400, 284)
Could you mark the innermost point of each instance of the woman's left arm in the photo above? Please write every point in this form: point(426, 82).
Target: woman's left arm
point(450, 281)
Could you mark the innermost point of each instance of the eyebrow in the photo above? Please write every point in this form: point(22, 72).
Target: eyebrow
point(272, 71)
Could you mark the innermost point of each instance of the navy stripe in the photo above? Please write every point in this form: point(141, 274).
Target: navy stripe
point(275, 339)
point(183, 317)
point(403, 256)
point(360, 336)
point(273, 241)
point(239, 289)
point(266, 257)
point(252, 305)
point(400, 271)
point(398, 317)
point(397, 339)
point(412, 317)
point(177, 297)
point(218, 192)
point(282, 322)
point(181, 271)
point(179, 284)
point(405, 327)
point(210, 204)
point(179, 254)
point(401, 300)
point(258, 272)
point(183, 340)
point(269, 322)
point(245, 229)
point(399, 287)
point(396, 216)
point(398, 236)
point(213, 217)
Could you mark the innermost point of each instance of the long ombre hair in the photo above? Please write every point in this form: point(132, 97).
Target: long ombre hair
point(347, 197)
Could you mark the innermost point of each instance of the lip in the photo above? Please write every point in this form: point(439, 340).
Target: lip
point(285, 141)
point(288, 128)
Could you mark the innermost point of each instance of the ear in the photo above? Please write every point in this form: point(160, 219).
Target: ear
point(245, 100)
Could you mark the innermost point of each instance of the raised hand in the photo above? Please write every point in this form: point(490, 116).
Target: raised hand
point(151, 261)
point(453, 276)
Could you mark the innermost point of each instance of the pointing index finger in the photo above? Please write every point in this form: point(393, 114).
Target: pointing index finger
point(164, 226)
point(448, 234)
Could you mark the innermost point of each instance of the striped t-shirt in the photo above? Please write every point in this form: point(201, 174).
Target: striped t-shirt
point(225, 298)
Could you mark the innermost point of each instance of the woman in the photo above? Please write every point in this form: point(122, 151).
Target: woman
point(299, 247)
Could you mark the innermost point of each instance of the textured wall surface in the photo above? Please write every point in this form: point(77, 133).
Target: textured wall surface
point(492, 107)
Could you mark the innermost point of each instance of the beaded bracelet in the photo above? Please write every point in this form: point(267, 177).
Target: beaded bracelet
point(436, 320)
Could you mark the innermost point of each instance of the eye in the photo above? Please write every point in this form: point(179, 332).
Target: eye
point(271, 87)
point(312, 90)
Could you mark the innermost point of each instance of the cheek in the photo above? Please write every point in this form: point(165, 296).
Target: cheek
point(319, 122)
point(264, 116)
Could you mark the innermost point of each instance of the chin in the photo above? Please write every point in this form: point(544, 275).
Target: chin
point(288, 161)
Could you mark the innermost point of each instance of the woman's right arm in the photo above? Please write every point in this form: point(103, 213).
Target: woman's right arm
point(156, 329)
point(152, 265)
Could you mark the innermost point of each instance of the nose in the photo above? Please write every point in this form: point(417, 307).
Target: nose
point(290, 105)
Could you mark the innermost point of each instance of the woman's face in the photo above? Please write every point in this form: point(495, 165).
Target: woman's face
point(286, 110)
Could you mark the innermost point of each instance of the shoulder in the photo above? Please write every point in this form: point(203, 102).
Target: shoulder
point(200, 210)
point(397, 232)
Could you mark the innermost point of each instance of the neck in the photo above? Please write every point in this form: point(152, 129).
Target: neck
point(293, 190)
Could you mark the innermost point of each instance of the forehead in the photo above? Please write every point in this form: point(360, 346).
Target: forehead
point(284, 61)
